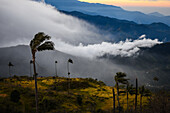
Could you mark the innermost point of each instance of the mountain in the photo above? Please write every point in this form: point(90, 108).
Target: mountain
point(122, 29)
point(146, 64)
point(107, 10)
point(149, 63)
point(20, 57)
point(156, 14)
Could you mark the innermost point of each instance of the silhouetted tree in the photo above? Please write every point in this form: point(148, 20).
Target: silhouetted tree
point(10, 65)
point(69, 61)
point(155, 79)
point(56, 68)
point(127, 95)
point(39, 43)
point(113, 100)
point(15, 96)
point(120, 78)
point(31, 62)
point(141, 91)
point(136, 95)
point(79, 100)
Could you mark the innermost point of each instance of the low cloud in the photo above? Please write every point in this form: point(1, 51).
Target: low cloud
point(123, 48)
point(21, 19)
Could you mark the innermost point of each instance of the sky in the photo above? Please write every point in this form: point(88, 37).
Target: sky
point(145, 6)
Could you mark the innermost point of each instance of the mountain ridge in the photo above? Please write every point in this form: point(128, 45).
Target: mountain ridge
point(123, 29)
point(107, 10)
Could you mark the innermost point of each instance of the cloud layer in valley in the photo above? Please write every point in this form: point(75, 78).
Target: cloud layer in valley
point(123, 48)
point(21, 19)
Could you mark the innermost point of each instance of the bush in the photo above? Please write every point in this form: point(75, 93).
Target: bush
point(15, 96)
point(79, 100)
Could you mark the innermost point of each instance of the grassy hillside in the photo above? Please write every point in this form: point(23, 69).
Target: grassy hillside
point(86, 96)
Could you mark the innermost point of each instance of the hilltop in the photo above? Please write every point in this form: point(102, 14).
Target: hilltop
point(86, 96)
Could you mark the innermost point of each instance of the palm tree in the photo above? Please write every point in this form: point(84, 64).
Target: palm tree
point(56, 71)
point(127, 95)
point(113, 100)
point(120, 78)
point(141, 91)
point(136, 95)
point(39, 43)
point(56, 68)
point(130, 90)
point(69, 61)
point(10, 65)
point(31, 62)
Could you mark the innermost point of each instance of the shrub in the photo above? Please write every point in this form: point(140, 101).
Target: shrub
point(79, 100)
point(15, 96)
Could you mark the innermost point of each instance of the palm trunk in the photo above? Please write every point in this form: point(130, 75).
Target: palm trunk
point(30, 70)
point(127, 98)
point(136, 95)
point(35, 78)
point(9, 72)
point(68, 77)
point(117, 86)
point(55, 72)
point(113, 101)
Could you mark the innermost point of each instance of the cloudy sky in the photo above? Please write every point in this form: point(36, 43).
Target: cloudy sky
point(22, 19)
point(146, 6)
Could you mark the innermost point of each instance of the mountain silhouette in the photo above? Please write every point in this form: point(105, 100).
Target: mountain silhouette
point(123, 29)
point(107, 10)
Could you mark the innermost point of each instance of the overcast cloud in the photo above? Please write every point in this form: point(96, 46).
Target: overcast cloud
point(21, 19)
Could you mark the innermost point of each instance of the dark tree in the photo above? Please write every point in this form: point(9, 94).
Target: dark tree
point(15, 96)
point(69, 61)
point(155, 79)
point(39, 43)
point(31, 62)
point(113, 100)
point(136, 95)
point(120, 78)
point(10, 65)
point(79, 100)
point(56, 68)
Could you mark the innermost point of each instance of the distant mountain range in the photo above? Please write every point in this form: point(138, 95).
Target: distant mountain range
point(122, 29)
point(109, 11)
point(146, 64)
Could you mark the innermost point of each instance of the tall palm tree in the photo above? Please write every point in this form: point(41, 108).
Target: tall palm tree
point(136, 95)
point(10, 65)
point(39, 43)
point(127, 95)
point(56, 71)
point(69, 61)
point(113, 100)
point(31, 62)
point(130, 90)
point(56, 68)
point(141, 91)
point(120, 78)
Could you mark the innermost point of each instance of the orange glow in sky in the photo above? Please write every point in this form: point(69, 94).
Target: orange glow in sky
point(142, 3)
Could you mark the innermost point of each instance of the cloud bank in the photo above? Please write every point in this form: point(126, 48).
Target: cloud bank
point(21, 19)
point(123, 48)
